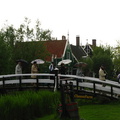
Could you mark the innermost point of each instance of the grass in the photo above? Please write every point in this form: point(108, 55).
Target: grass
point(107, 111)
point(27, 105)
point(42, 105)
point(100, 112)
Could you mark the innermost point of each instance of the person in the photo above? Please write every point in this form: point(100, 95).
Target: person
point(63, 68)
point(34, 69)
point(51, 69)
point(102, 74)
point(79, 71)
point(18, 68)
point(118, 78)
point(63, 71)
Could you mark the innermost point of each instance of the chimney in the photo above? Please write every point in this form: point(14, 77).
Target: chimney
point(63, 37)
point(94, 42)
point(77, 41)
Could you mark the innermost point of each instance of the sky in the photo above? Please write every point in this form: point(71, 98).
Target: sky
point(88, 19)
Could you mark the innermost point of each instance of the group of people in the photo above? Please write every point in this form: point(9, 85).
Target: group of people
point(34, 68)
point(62, 70)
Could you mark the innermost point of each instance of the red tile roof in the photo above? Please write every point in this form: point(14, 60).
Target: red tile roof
point(56, 48)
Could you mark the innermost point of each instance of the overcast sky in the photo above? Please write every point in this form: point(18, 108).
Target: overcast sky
point(90, 19)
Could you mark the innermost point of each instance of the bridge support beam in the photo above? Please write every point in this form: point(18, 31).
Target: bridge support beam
point(94, 87)
point(111, 91)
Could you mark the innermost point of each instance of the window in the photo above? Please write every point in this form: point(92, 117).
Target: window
point(68, 55)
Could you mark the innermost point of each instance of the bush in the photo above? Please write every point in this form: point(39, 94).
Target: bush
point(28, 105)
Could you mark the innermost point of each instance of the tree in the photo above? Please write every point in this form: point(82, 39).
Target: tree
point(42, 35)
point(30, 41)
point(4, 55)
point(24, 32)
point(116, 58)
point(88, 69)
point(103, 56)
point(8, 38)
point(34, 45)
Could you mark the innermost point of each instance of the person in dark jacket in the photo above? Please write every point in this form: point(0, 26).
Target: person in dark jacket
point(62, 69)
point(51, 69)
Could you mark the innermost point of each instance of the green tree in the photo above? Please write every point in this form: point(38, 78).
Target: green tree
point(4, 55)
point(88, 69)
point(40, 34)
point(24, 32)
point(103, 56)
point(31, 41)
point(116, 59)
point(8, 36)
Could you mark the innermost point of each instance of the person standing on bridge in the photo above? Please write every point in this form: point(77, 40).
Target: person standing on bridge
point(18, 68)
point(102, 74)
point(118, 78)
point(62, 69)
point(34, 69)
point(51, 69)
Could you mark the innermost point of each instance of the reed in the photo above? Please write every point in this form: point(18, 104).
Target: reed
point(27, 105)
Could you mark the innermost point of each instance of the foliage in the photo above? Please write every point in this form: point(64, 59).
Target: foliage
point(10, 37)
point(42, 35)
point(7, 39)
point(116, 59)
point(89, 67)
point(89, 110)
point(4, 55)
point(28, 105)
point(103, 56)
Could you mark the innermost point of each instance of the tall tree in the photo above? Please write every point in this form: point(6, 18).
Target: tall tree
point(103, 56)
point(116, 57)
point(5, 55)
point(41, 35)
point(10, 51)
point(8, 36)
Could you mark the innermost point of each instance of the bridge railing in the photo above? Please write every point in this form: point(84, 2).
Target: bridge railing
point(112, 88)
point(20, 80)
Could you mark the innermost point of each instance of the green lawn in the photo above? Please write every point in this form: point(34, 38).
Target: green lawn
point(100, 112)
point(95, 112)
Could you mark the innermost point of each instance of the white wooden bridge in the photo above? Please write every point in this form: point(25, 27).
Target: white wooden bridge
point(89, 84)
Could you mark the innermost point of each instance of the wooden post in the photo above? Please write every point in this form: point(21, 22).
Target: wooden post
point(71, 92)
point(3, 83)
point(3, 89)
point(94, 87)
point(56, 78)
point(111, 91)
point(37, 83)
point(77, 84)
point(20, 83)
point(64, 114)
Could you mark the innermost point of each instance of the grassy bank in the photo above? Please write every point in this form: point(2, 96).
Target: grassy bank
point(94, 112)
point(100, 108)
point(42, 105)
point(100, 112)
point(28, 105)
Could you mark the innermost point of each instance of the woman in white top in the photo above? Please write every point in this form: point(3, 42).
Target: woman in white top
point(18, 68)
